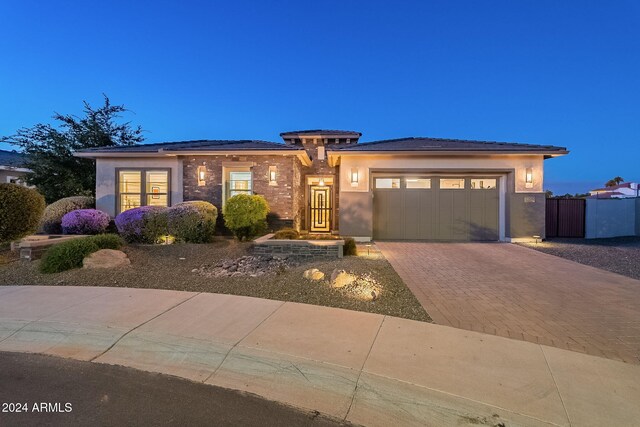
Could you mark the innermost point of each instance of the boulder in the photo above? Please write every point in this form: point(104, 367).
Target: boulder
point(106, 258)
point(313, 274)
point(340, 278)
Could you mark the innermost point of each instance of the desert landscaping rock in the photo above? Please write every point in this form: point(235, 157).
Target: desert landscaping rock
point(617, 254)
point(313, 274)
point(106, 258)
point(363, 287)
point(192, 267)
point(340, 278)
point(248, 265)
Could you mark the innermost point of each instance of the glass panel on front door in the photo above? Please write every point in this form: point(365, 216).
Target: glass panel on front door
point(320, 209)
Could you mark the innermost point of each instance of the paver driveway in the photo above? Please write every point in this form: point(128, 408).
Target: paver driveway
point(512, 291)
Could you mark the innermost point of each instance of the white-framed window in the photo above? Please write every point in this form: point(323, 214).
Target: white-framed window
point(142, 187)
point(418, 183)
point(452, 183)
point(237, 180)
point(387, 183)
point(483, 184)
point(321, 153)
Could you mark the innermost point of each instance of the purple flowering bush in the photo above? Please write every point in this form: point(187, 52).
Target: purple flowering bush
point(85, 221)
point(145, 224)
point(51, 221)
point(192, 222)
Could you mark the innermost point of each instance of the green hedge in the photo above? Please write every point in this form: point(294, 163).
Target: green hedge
point(20, 211)
point(246, 215)
point(51, 222)
point(192, 222)
point(68, 255)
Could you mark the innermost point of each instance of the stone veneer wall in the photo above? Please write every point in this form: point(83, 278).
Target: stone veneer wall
point(298, 196)
point(264, 246)
point(280, 197)
point(321, 167)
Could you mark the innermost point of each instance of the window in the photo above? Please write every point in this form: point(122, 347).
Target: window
point(418, 183)
point(142, 187)
point(387, 182)
point(452, 183)
point(321, 153)
point(239, 182)
point(483, 184)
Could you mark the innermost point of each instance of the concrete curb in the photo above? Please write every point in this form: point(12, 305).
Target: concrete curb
point(365, 368)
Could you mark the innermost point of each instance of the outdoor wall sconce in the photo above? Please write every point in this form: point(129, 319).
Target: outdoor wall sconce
point(321, 183)
point(201, 175)
point(528, 179)
point(354, 177)
point(273, 172)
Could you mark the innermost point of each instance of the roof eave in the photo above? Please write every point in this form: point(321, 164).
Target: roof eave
point(545, 153)
point(301, 154)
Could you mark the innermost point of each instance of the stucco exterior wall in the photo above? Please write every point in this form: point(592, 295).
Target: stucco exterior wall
point(522, 208)
point(517, 164)
point(106, 178)
point(638, 216)
point(526, 213)
point(5, 174)
point(612, 218)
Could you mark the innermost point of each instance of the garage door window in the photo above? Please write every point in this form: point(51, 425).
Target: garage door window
point(387, 183)
point(452, 183)
point(483, 184)
point(417, 183)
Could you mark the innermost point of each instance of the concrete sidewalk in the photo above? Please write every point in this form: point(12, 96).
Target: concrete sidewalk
point(368, 369)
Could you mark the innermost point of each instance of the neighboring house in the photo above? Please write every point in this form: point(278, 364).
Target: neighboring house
point(620, 191)
point(12, 167)
point(325, 181)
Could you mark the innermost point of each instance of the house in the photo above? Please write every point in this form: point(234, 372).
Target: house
point(12, 167)
point(327, 181)
point(620, 191)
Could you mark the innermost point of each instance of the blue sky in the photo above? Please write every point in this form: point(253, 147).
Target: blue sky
point(543, 72)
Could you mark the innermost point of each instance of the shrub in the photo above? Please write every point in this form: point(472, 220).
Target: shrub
point(67, 255)
point(51, 222)
point(193, 222)
point(287, 233)
point(108, 241)
point(246, 215)
point(142, 225)
point(85, 221)
point(350, 246)
point(20, 211)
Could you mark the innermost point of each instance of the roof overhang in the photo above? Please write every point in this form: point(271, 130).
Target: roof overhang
point(301, 154)
point(334, 155)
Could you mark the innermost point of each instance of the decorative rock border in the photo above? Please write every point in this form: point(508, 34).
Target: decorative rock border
point(306, 249)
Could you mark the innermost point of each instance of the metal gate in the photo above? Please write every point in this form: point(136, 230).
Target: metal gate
point(320, 209)
point(565, 217)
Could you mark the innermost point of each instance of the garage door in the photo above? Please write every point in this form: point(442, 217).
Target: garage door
point(435, 208)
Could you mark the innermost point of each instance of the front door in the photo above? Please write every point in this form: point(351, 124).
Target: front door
point(320, 208)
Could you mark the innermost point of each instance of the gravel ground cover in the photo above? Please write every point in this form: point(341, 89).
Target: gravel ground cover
point(179, 267)
point(619, 255)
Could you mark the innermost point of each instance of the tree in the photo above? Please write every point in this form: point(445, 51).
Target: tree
point(54, 170)
point(548, 194)
point(614, 181)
